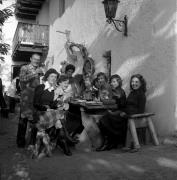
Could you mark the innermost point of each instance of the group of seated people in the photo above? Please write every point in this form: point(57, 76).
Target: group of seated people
point(57, 124)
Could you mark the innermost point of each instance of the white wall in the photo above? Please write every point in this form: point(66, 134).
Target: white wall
point(149, 48)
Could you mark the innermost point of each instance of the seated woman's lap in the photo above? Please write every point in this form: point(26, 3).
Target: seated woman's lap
point(73, 120)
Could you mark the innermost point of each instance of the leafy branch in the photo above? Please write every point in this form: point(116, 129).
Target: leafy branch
point(4, 15)
point(4, 48)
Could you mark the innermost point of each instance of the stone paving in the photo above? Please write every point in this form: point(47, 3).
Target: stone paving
point(151, 163)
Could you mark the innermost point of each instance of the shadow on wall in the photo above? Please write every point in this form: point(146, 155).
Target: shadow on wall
point(61, 4)
point(149, 50)
point(58, 50)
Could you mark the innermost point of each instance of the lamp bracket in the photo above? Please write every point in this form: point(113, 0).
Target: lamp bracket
point(122, 25)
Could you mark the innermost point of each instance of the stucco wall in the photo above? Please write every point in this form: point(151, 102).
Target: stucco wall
point(149, 48)
point(43, 16)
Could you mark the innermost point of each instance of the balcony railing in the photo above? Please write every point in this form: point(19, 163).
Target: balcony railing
point(30, 35)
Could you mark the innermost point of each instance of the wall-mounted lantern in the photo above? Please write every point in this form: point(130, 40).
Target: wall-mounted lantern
point(110, 7)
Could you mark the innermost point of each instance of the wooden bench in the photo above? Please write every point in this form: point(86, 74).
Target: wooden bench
point(140, 121)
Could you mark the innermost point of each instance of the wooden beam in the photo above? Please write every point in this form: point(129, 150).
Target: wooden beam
point(34, 0)
point(20, 16)
point(30, 5)
point(28, 14)
point(27, 11)
point(32, 18)
point(18, 1)
point(28, 8)
point(31, 2)
point(30, 49)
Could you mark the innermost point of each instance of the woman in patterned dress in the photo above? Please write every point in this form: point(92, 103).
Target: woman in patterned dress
point(50, 114)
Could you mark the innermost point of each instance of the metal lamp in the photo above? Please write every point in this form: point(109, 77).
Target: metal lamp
point(110, 7)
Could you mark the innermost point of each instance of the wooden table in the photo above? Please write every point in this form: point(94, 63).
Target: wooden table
point(90, 115)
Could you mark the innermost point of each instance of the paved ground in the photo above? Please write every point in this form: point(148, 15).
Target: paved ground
point(151, 163)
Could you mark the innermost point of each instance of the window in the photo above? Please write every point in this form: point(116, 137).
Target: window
point(61, 7)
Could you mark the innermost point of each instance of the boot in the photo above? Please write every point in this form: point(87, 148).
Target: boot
point(69, 139)
point(21, 132)
point(110, 146)
point(105, 137)
point(33, 135)
point(63, 144)
point(112, 142)
point(103, 146)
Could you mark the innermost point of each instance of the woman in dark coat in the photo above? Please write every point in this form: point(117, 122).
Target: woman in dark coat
point(135, 104)
point(112, 125)
point(136, 100)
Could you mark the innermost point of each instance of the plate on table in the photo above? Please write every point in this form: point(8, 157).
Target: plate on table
point(109, 101)
point(79, 100)
point(93, 103)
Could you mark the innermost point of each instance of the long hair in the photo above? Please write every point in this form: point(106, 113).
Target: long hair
point(142, 81)
point(102, 74)
point(118, 78)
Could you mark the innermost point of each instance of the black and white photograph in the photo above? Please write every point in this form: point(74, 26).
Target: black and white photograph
point(88, 89)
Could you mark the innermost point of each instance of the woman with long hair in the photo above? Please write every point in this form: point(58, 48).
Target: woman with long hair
point(112, 124)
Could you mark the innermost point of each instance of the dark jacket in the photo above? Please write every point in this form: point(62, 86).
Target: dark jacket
point(136, 102)
point(114, 123)
point(119, 96)
point(43, 97)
